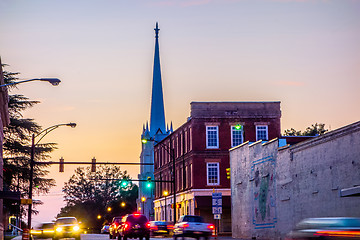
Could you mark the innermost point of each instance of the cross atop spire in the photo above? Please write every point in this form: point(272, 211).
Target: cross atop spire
point(157, 29)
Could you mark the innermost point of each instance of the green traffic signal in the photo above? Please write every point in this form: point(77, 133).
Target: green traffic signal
point(238, 127)
point(124, 183)
point(148, 184)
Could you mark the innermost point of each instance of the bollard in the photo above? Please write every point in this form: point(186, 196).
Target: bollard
point(26, 234)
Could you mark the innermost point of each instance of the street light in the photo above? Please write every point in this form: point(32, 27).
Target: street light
point(32, 162)
point(109, 209)
point(143, 199)
point(53, 81)
point(170, 151)
point(165, 193)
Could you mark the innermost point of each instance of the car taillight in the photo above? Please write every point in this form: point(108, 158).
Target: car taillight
point(185, 225)
point(170, 226)
point(126, 226)
point(337, 233)
point(211, 226)
point(148, 225)
point(136, 214)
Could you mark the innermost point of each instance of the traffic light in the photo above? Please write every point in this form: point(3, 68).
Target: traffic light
point(148, 184)
point(228, 173)
point(238, 127)
point(61, 165)
point(124, 183)
point(93, 165)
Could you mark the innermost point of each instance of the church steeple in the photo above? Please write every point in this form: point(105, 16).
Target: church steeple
point(157, 115)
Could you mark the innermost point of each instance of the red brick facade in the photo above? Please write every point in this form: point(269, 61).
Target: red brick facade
point(188, 144)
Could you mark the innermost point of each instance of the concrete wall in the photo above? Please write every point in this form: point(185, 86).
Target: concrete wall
point(274, 188)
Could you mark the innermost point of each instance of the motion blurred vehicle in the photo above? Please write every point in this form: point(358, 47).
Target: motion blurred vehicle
point(114, 226)
point(162, 228)
point(326, 228)
point(45, 230)
point(193, 226)
point(105, 229)
point(134, 226)
point(66, 227)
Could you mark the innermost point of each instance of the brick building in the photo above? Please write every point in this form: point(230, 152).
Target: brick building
point(200, 149)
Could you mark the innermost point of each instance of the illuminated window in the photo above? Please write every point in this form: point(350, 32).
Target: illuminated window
point(212, 173)
point(212, 137)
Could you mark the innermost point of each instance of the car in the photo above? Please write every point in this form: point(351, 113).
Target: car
point(326, 228)
point(160, 228)
point(66, 227)
point(45, 230)
point(134, 226)
point(193, 226)
point(105, 229)
point(113, 228)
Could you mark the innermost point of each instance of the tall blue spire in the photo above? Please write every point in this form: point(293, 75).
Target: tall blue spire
point(157, 115)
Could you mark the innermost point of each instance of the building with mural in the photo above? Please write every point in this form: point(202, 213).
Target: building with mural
point(200, 150)
point(274, 185)
point(154, 133)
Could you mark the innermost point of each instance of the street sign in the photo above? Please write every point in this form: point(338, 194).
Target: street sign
point(217, 210)
point(217, 216)
point(217, 203)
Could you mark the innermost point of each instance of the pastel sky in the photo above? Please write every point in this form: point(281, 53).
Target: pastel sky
point(304, 53)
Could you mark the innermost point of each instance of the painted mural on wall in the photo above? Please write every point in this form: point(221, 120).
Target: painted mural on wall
point(264, 193)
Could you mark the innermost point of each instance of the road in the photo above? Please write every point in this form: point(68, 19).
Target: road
point(106, 237)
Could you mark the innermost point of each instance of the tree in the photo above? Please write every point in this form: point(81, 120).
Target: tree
point(17, 147)
point(313, 130)
point(87, 195)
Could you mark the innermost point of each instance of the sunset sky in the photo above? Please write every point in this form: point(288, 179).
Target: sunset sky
point(304, 53)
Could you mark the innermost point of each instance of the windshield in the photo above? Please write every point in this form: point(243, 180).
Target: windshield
point(193, 219)
point(66, 221)
point(137, 219)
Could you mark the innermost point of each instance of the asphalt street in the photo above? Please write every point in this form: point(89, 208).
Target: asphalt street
point(106, 237)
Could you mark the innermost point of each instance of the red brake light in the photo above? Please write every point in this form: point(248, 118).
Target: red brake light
point(136, 214)
point(211, 226)
point(338, 233)
point(170, 226)
point(185, 225)
point(148, 225)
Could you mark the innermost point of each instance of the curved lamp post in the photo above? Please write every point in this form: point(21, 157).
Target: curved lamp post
point(170, 151)
point(53, 81)
point(32, 162)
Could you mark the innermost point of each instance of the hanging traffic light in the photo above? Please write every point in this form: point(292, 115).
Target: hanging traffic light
point(148, 184)
point(228, 173)
point(93, 165)
point(124, 183)
point(238, 127)
point(61, 165)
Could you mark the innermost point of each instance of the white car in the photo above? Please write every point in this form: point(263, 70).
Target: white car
point(193, 226)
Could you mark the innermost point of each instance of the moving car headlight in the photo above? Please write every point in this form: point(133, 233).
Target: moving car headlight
point(59, 229)
point(76, 228)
